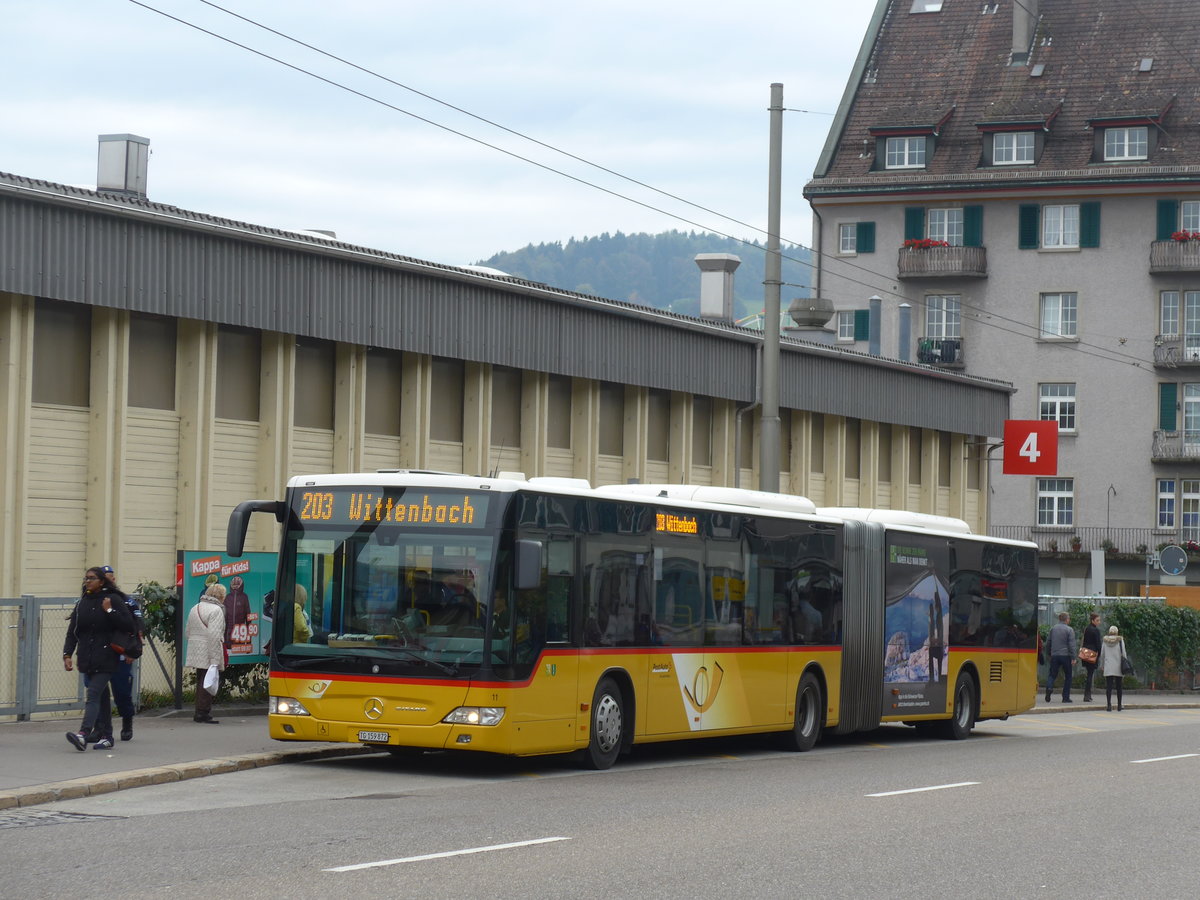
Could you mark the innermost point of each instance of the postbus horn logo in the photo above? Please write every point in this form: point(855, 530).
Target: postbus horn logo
point(703, 695)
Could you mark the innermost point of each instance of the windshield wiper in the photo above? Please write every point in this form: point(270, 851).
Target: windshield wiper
point(412, 654)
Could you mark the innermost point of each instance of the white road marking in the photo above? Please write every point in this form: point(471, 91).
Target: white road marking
point(1164, 758)
point(446, 854)
point(938, 787)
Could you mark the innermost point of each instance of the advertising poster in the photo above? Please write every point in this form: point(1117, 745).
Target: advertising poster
point(916, 622)
point(249, 581)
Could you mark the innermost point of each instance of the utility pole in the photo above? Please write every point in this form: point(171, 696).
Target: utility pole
point(768, 468)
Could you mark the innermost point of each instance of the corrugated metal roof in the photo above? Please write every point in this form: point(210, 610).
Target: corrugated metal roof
point(71, 244)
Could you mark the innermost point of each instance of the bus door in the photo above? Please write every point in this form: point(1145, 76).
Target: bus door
point(532, 632)
point(675, 629)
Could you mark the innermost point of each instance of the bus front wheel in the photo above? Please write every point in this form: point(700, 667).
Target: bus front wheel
point(809, 719)
point(962, 717)
point(608, 726)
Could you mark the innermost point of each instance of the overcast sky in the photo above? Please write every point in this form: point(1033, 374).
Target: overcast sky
point(672, 93)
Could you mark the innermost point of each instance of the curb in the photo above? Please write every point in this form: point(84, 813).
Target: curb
point(1095, 707)
point(134, 778)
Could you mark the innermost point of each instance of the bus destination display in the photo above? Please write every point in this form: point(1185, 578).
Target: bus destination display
point(413, 507)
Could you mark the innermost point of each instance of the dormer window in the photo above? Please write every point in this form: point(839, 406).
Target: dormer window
point(1125, 143)
point(905, 152)
point(1013, 148)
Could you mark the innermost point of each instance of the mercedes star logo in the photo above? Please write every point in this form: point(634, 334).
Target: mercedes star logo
point(373, 708)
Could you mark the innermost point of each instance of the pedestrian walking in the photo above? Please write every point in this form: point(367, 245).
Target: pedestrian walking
point(101, 613)
point(1110, 661)
point(1089, 653)
point(1061, 647)
point(122, 680)
point(205, 634)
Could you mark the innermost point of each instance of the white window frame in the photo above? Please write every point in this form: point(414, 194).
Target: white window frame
point(1189, 508)
point(848, 238)
point(1060, 227)
point(1131, 142)
point(907, 152)
point(1190, 410)
point(1058, 317)
point(945, 225)
point(1012, 148)
point(1056, 403)
point(1189, 215)
point(943, 317)
point(845, 325)
point(1056, 501)
point(1166, 503)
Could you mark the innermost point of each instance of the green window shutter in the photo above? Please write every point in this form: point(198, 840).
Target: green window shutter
point(972, 226)
point(1029, 235)
point(862, 325)
point(1168, 219)
point(1166, 405)
point(865, 239)
point(1089, 224)
point(914, 223)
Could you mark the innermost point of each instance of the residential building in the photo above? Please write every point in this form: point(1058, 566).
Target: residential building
point(1025, 176)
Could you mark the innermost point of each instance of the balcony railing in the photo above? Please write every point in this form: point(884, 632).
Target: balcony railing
point(941, 352)
point(1170, 257)
point(1173, 350)
point(1175, 446)
point(1122, 541)
point(943, 262)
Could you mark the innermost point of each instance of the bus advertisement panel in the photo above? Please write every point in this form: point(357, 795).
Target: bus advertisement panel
point(916, 622)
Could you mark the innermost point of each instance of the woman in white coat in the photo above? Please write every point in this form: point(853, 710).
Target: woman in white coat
point(1110, 662)
point(205, 633)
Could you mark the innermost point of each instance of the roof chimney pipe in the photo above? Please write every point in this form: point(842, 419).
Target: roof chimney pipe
point(121, 165)
point(716, 285)
point(1025, 19)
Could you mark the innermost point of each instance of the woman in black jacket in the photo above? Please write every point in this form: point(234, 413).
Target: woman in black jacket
point(98, 619)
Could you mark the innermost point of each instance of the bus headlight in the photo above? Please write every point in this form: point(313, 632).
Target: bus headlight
point(286, 706)
point(475, 715)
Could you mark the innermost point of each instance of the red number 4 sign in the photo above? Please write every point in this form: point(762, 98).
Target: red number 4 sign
point(1030, 447)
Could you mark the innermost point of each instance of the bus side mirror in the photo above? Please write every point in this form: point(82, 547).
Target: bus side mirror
point(527, 569)
point(239, 522)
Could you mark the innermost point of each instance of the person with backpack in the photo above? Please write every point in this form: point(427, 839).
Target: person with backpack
point(100, 618)
point(122, 681)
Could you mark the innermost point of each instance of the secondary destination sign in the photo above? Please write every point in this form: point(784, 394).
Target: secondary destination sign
point(410, 507)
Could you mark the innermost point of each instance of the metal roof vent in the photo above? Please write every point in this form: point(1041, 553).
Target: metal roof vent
point(121, 164)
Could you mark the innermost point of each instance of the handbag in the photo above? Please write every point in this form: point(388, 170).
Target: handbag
point(1087, 655)
point(1126, 665)
point(212, 680)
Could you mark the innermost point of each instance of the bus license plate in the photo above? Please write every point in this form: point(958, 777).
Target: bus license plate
point(373, 737)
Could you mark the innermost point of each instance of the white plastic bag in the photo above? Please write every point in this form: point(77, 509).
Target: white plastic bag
point(212, 680)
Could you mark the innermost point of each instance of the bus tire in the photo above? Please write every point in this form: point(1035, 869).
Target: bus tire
point(962, 715)
point(806, 729)
point(608, 726)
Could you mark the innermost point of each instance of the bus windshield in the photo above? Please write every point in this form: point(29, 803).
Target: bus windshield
point(389, 581)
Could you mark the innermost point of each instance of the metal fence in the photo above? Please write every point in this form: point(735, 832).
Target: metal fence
point(32, 678)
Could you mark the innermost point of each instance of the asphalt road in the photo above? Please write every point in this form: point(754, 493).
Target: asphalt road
point(1036, 806)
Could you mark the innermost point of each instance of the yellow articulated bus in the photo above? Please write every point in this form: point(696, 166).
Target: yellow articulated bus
point(427, 611)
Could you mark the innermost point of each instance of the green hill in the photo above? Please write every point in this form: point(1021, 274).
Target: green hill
point(655, 270)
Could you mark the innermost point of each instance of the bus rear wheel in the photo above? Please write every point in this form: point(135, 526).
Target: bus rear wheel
point(809, 719)
point(962, 717)
point(608, 726)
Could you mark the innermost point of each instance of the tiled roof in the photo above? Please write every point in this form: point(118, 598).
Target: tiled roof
point(1088, 54)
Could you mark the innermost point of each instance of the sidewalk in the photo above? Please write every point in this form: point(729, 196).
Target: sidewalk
point(1133, 700)
point(38, 765)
